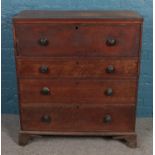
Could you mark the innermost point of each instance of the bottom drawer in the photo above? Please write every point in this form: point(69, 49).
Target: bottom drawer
point(110, 118)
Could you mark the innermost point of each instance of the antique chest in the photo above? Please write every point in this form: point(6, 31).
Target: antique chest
point(77, 72)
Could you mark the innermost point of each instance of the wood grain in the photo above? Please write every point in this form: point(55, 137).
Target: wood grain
point(77, 39)
point(77, 67)
point(77, 56)
point(85, 118)
point(77, 91)
point(104, 15)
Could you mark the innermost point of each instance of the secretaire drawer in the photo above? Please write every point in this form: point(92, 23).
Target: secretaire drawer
point(77, 67)
point(47, 39)
point(85, 118)
point(35, 91)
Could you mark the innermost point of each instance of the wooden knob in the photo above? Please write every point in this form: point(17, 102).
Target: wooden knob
point(110, 69)
point(107, 119)
point(43, 41)
point(44, 69)
point(111, 42)
point(109, 92)
point(46, 119)
point(45, 91)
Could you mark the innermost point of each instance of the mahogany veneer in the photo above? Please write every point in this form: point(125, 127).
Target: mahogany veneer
point(77, 91)
point(77, 72)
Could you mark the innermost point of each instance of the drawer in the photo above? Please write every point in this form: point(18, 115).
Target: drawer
point(84, 118)
point(47, 39)
point(77, 67)
point(35, 91)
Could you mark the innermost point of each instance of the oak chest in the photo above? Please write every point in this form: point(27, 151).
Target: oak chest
point(77, 72)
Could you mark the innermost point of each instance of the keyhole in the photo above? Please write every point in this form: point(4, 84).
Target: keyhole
point(76, 27)
point(77, 107)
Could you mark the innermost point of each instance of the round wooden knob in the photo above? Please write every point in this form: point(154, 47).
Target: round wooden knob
point(45, 91)
point(46, 119)
point(107, 119)
point(43, 41)
point(110, 69)
point(44, 69)
point(109, 92)
point(111, 42)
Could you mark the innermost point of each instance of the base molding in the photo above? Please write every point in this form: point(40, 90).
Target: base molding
point(130, 138)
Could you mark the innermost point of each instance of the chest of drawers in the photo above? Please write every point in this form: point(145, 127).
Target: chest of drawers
point(77, 72)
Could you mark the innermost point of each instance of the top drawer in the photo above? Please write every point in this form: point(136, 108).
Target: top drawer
point(71, 39)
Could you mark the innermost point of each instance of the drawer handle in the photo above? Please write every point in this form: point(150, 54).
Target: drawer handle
point(109, 92)
point(107, 119)
point(111, 42)
point(43, 41)
point(46, 119)
point(45, 91)
point(110, 69)
point(44, 69)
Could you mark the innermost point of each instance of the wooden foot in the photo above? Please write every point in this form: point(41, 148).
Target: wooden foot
point(24, 139)
point(131, 140)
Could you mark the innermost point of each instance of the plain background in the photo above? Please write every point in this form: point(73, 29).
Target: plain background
point(12, 7)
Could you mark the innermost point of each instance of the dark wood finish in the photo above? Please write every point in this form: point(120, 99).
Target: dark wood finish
point(77, 73)
point(24, 138)
point(81, 118)
point(129, 137)
point(77, 91)
point(78, 39)
point(78, 133)
point(77, 67)
point(104, 15)
point(131, 140)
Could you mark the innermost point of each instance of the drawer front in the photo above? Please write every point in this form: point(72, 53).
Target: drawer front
point(77, 68)
point(77, 39)
point(35, 91)
point(83, 118)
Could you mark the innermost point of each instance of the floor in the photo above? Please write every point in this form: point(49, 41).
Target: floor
point(74, 145)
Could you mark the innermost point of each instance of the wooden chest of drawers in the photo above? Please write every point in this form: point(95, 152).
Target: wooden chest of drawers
point(77, 72)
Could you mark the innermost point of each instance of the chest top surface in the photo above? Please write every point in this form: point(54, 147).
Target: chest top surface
point(86, 15)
